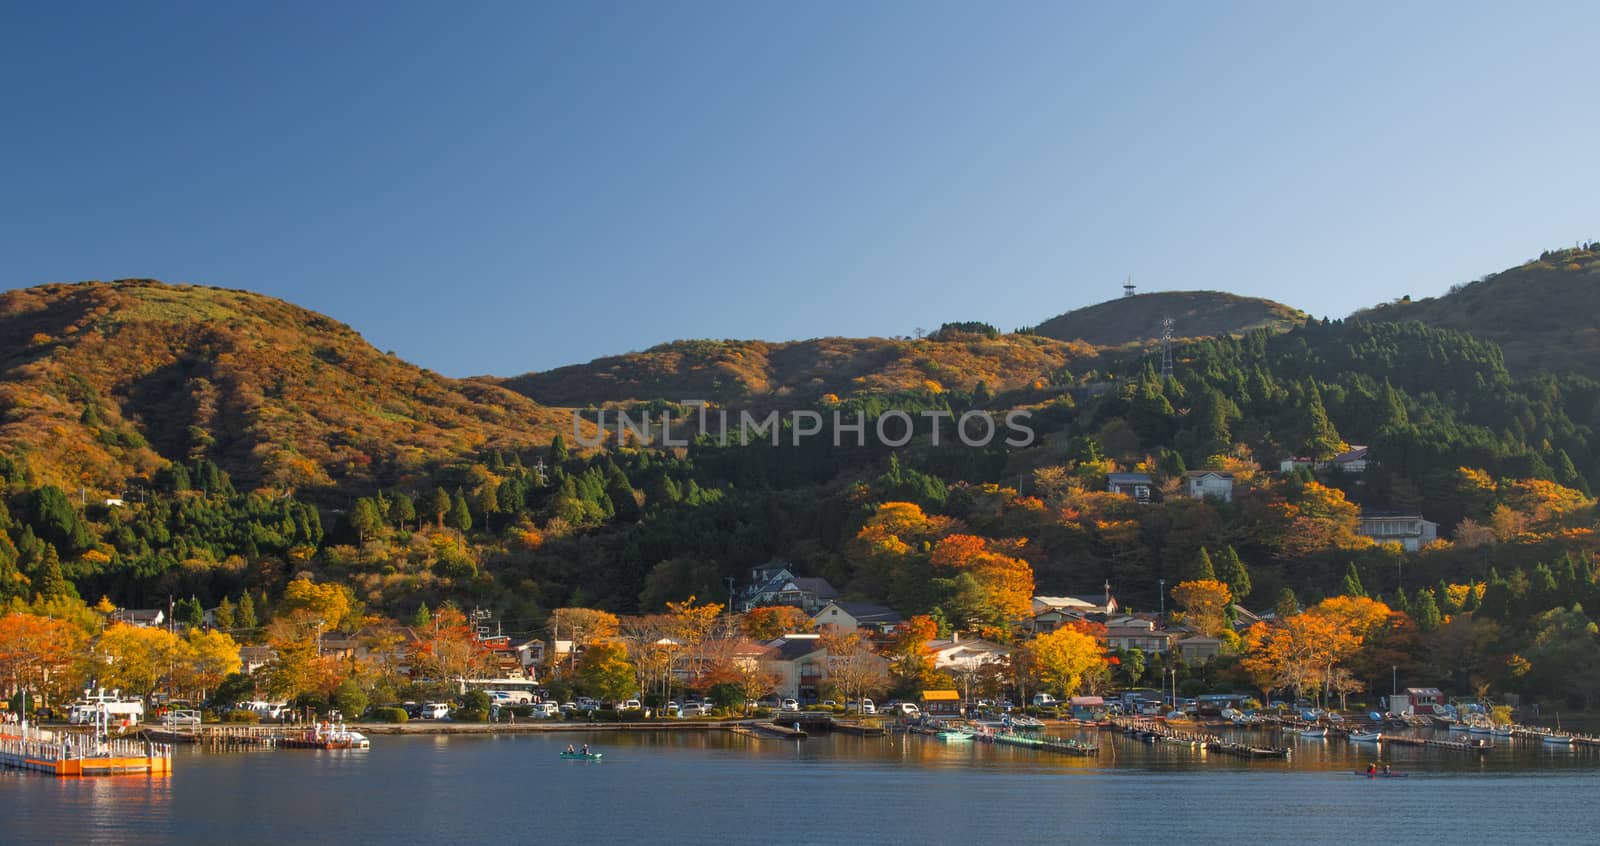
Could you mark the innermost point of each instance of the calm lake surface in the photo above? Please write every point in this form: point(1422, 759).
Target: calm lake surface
point(718, 788)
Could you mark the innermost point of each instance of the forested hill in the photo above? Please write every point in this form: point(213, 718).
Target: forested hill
point(1195, 314)
point(802, 372)
point(1542, 313)
point(105, 383)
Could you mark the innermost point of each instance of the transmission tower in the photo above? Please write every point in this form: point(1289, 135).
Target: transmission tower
point(1128, 287)
point(1166, 348)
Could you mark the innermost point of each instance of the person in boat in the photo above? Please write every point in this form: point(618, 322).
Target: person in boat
point(1387, 768)
point(585, 748)
point(570, 750)
point(1372, 768)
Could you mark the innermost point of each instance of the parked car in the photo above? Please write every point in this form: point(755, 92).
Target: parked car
point(789, 705)
point(692, 709)
point(434, 711)
point(1043, 700)
point(546, 709)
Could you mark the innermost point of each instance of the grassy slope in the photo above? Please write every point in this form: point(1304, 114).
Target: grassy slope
point(1197, 314)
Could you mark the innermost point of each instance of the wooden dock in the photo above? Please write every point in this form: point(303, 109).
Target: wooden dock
point(1061, 745)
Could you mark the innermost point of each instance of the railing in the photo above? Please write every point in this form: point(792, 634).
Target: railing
point(68, 748)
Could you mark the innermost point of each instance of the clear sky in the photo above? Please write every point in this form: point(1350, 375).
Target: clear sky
point(496, 188)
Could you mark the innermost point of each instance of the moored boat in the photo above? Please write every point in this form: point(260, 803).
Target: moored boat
point(1558, 740)
point(954, 736)
point(1366, 736)
point(1318, 733)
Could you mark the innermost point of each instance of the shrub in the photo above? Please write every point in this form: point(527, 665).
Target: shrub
point(241, 715)
point(390, 714)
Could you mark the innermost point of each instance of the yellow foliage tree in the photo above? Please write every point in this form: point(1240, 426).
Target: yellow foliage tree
point(1205, 603)
point(1065, 657)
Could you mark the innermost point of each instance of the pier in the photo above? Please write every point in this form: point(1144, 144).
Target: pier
point(61, 754)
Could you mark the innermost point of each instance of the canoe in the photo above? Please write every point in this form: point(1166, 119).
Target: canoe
point(581, 756)
point(954, 736)
point(1381, 775)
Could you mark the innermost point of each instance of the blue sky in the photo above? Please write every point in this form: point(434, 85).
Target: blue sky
point(496, 188)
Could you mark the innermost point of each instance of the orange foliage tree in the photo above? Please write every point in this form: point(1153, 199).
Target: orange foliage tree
point(774, 621)
point(1205, 603)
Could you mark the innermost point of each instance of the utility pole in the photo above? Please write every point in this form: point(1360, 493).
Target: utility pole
point(1163, 590)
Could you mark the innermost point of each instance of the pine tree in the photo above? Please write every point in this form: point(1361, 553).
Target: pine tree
point(1392, 411)
point(1352, 582)
point(402, 511)
point(558, 451)
point(247, 612)
point(191, 613)
point(439, 505)
point(1319, 441)
point(460, 517)
point(366, 518)
point(224, 614)
point(1200, 568)
point(48, 580)
point(1287, 605)
point(1425, 609)
point(1232, 572)
point(423, 618)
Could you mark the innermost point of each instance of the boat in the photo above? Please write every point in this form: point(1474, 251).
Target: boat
point(1314, 733)
point(1481, 728)
point(1558, 740)
point(954, 736)
point(1366, 736)
point(1504, 731)
point(326, 735)
point(1381, 774)
point(582, 756)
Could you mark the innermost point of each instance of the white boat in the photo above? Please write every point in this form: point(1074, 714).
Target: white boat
point(1366, 736)
point(1481, 728)
point(1503, 731)
point(1315, 733)
point(1558, 740)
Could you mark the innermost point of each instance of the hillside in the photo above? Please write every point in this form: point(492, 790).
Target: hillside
point(803, 371)
point(1197, 314)
point(1542, 314)
point(101, 383)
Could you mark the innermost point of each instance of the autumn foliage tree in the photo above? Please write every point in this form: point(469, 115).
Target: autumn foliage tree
point(775, 621)
point(1205, 603)
point(1065, 657)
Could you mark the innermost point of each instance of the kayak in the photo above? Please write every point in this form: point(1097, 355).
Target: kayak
point(581, 756)
point(1381, 775)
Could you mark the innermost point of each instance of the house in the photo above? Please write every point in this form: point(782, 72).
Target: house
point(1136, 485)
point(252, 658)
point(530, 654)
point(1244, 618)
point(777, 585)
point(801, 665)
point(1130, 633)
point(1353, 461)
point(144, 618)
point(970, 654)
point(115, 502)
point(1087, 707)
point(849, 616)
point(940, 703)
point(1199, 649)
point(1406, 528)
point(1053, 612)
point(1213, 484)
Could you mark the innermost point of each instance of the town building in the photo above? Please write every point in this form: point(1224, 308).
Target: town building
point(849, 616)
point(776, 584)
point(1406, 528)
point(1209, 484)
point(1136, 485)
point(1353, 461)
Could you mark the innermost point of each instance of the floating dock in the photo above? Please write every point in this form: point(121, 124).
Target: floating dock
point(83, 755)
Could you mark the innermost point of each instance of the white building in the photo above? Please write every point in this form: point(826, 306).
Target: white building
point(1216, 484)
point(1405, 528)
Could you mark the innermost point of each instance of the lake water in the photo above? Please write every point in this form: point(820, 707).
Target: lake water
point(717, 788)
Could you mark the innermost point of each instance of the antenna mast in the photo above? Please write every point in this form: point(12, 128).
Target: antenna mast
point(1128, 287)
point(1166, 348)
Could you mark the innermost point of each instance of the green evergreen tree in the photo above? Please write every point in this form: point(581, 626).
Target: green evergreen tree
point(1425, 609)
point(402, 511)
point(558, 451)
point(460, 517)
point(1286, 604)
point(224, 615)
point(13, 584)
point(423, 618)
point(1392, 409)
point(1318, 440)
point(1232, 571)
point(48, 580)
point(247, 612)
point(439, 505)
point(191, 613)
point(1352, 582)
point(366, 518)
point(1200, 568)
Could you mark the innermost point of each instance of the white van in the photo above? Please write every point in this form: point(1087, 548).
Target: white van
point(1043, 700)
point(435, 711)
point(546, 709)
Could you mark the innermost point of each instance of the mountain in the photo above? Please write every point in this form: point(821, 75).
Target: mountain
point(1196, 314)
point(1542, 313)
point(801, 372)
point(104, 382)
